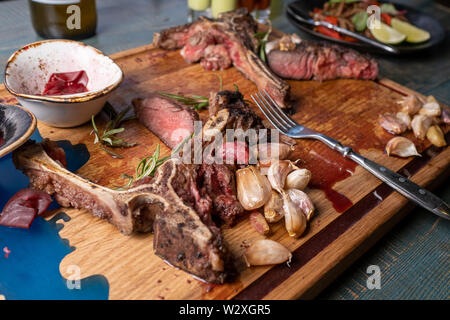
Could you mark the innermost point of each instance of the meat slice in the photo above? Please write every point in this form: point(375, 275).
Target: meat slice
point(321, 61)
point(234, 31)
point(164, 205)
point(169, 120)
point(22, 208)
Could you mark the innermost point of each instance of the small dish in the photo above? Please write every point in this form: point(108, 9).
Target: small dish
point(28, 70)
point(16, 126)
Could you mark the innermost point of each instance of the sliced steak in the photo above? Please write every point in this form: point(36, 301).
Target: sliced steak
point(167, 119)
point(182, 237)
point(233, 31)
point(321, 61)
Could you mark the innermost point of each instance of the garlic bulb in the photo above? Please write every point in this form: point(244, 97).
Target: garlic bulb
point(298, 179)
point(402, 147)
point(302, 200)
point(420, 125)
point(273, 209)
point(266, 252)
point(253, 189)
point(278, 172)
point(436, 136)
point(294, 218)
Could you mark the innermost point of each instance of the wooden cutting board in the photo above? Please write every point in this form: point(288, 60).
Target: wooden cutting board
point(347, 110)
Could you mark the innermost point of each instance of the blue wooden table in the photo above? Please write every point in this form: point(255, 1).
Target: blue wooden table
point(414, 256)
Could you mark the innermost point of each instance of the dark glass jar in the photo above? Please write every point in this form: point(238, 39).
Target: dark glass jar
point(68, 19)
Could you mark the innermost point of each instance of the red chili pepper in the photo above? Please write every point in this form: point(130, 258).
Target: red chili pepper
point(328, 32)
point(332, 20)
point(317, 10)
point(386, 18)
point(350, 39)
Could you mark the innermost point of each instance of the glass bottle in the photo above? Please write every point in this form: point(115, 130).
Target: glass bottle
point(69, 19)
point(219, 6)
point(198, 8)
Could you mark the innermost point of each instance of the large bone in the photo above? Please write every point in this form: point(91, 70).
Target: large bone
point(180, 236)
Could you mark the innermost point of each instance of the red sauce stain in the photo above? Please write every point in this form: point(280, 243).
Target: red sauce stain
point(160, 297)
point(6, 251)
point(327, 168)
point(138, 59)
point(159, 281)
point(188, 281)
point(66, 83)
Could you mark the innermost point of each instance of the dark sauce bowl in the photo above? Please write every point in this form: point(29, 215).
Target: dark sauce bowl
point(16, 126)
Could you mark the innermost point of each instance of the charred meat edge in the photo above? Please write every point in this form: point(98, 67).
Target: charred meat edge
point(180, 236)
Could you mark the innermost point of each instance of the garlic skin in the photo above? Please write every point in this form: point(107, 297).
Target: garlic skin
point(391, 123)
point(298, 179)
point(294, 218)
point(405, 118)
point(420, 125)
point(303, 201)
point(273, 209)
point(402, 147)
point(431, 109)
point(410, 104)
point(253, 189)
point(278, 172)
point(445, 115)
point(266, 252)
point(436, 136)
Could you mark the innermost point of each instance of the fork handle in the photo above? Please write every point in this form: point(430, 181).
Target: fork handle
point(398, 182)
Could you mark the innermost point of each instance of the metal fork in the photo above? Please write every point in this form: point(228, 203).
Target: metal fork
point(281, 121)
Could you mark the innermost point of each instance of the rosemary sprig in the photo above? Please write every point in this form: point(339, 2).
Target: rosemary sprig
point(112, 127)
point(263, 36)
point(148, 165)
point(195, 101)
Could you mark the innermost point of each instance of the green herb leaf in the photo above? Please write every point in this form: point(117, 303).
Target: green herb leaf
point(195, 101)
point(111, 129)
point(388, 8)
point(360, 20)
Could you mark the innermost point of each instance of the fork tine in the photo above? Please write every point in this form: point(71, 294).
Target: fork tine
point(268, 115)
point(281, 112)
point(275, 112)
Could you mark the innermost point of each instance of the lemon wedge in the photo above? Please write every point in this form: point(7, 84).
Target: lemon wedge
point(383, 33)
point(413, 34)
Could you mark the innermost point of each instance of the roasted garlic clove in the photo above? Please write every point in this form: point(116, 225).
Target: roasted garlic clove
point(431, 109)
point(420, 125)
point(436, 136)
point(273, 209)
point(294, 218)
point(278, 172)
point(253, 189)
point(298, 179)
point(303, 201)
point(258, 222)
point(275, 151)
point(410, 104)
point(402, 147)
point(266, 252)
point(405, 118)
point(445, 115)
point(391, 123)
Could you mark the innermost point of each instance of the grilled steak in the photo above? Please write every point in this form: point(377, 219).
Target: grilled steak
point(321, 61)
point(166, 204)
point(217, 42)
point(169, 120)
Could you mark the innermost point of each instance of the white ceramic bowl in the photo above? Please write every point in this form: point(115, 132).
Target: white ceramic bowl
point(28, 70)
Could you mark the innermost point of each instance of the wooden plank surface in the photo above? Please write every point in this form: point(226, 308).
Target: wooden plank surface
point(428, 73)
point(134, 272)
